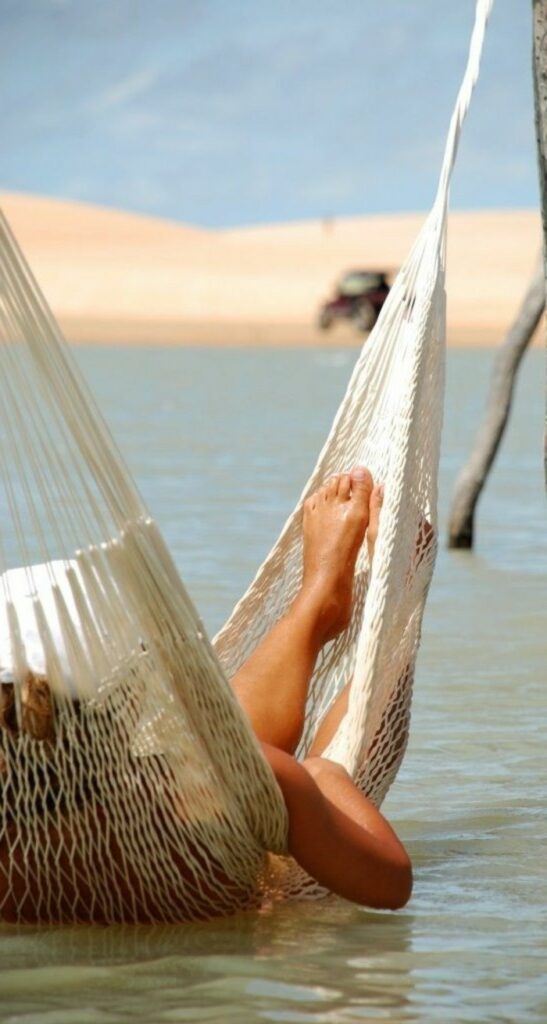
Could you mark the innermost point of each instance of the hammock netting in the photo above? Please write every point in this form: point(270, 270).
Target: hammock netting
point(131, 785)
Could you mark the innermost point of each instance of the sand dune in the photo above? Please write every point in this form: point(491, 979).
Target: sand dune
point(118, 277)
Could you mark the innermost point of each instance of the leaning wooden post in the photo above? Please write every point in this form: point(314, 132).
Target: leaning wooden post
point(474, 474)
point(540, 103)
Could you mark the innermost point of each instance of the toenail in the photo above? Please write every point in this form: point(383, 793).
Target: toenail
point(360, 473)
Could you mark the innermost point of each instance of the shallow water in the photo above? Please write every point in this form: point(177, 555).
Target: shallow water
point(221, 443)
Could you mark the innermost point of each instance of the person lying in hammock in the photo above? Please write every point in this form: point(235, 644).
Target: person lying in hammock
point(335, 833)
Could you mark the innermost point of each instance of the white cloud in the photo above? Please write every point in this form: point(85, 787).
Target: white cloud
point(123, 92)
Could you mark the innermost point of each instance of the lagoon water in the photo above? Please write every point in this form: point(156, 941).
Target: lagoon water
point(221, 442)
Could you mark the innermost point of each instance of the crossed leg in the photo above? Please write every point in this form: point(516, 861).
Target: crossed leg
point(272, 686)
point(335, 832)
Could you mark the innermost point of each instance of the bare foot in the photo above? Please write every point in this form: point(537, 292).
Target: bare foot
point(335, 522)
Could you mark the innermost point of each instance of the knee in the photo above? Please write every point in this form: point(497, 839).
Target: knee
point(320, 767)
point(287, 770)
point(295, 781)
point(401, 888)
point(314, 766)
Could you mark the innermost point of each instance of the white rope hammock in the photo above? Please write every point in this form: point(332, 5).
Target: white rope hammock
point(145, 796)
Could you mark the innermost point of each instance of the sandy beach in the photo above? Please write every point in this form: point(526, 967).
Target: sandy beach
point(114, 277)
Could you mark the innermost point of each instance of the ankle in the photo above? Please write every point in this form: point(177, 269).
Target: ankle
point(320, 611)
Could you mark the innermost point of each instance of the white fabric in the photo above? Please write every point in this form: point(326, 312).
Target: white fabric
point(152, 800)
point(23, 589)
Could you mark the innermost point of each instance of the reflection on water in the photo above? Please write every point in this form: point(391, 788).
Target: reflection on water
point(274, 964)
point(221, 443)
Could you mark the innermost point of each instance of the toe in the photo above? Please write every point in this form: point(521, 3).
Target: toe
point(344, 487)
point(331, 487)
point(361, 485)
point(376, 501)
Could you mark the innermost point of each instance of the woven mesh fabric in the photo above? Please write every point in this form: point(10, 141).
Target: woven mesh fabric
point(131, 786)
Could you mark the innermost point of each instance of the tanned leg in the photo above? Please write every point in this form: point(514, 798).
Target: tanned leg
point(330, 722)
point(328, 725)
point(335, 833)
point(272, 685)
point(338, 836)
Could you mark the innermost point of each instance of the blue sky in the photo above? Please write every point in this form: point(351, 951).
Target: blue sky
point(224, 112)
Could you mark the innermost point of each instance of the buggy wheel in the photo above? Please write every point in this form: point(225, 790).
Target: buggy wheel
point(365, 316)
point(324, 320)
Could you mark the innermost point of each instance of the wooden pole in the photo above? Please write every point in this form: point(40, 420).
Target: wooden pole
point(475, 472)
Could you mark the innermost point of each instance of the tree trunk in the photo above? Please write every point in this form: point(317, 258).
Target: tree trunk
point(474, 474)
point(540, 103)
